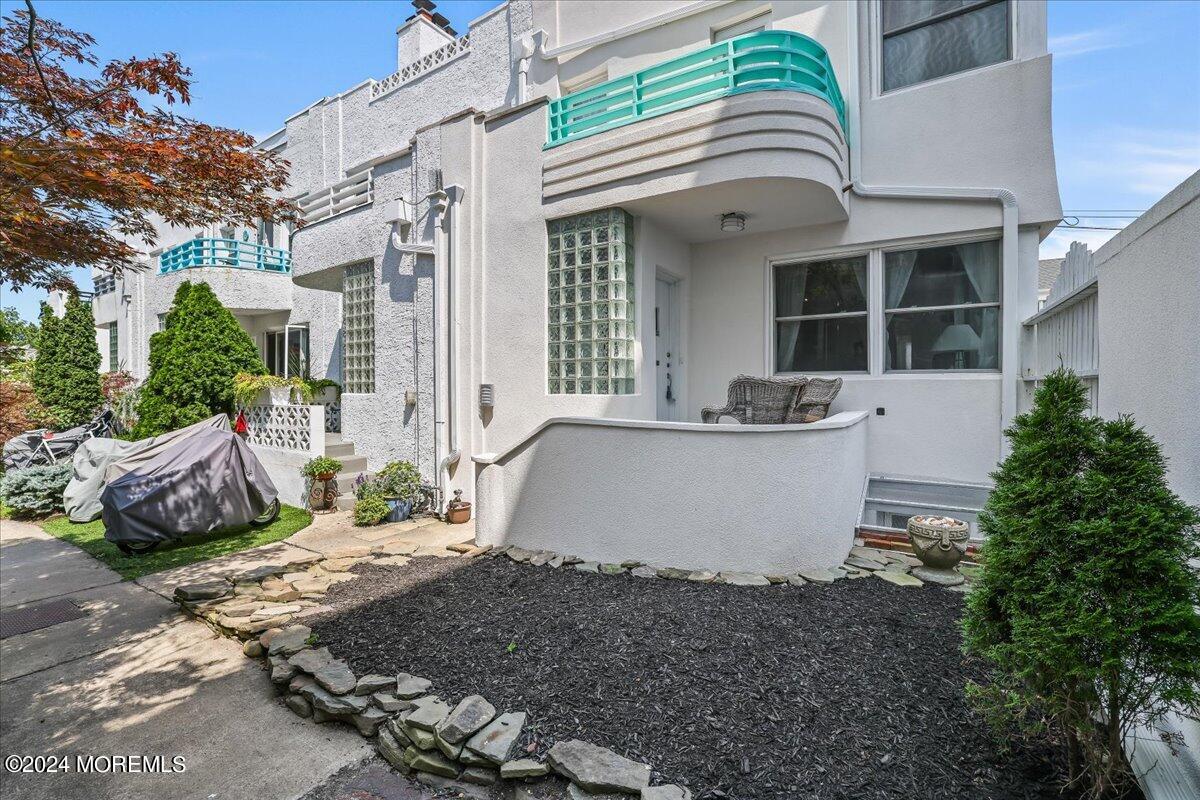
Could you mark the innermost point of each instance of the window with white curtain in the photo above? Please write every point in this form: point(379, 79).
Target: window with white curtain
point(821, 316)
point(926, 39)
point(942, 307)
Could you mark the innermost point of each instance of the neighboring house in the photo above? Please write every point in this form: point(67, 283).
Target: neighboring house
point(606, 211)
point(350, 295)
point(1048, 270)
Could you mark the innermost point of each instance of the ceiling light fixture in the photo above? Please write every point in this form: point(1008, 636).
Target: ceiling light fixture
point(733, 222)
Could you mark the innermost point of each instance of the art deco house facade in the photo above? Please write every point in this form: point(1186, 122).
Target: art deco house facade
point(537, 250)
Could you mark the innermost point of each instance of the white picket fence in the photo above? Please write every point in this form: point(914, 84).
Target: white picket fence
point(1065, 331)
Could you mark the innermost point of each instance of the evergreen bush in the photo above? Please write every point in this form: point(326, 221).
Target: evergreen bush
point(1085, 606)
point(35, 491)
point(193, 361)
point(66, 373)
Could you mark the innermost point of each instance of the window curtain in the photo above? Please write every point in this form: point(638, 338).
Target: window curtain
point(899, 271)
point(981, 262)
point(792, 283)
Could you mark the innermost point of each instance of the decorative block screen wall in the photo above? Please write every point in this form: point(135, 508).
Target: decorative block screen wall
point(591, 323)
point(358, 327)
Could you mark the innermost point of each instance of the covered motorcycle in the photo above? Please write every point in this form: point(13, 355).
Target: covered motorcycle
point(197, 484)
point(95, 457)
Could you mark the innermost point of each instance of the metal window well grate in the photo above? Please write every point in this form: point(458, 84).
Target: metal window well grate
point(889, 500)
point(43, 615)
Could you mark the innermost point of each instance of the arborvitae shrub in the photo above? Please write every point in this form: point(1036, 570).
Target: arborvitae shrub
point(1085, 607)
point(66, 374)
point(192, 363)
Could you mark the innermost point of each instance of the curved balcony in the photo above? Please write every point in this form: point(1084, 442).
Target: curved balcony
point(766, 60)
point(230, 253)
point(756, 124)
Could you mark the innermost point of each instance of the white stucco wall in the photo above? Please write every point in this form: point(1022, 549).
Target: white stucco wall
point(768, 499)
point(1149, 279)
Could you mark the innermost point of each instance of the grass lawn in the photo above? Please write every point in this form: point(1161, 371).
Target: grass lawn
point(89, 537)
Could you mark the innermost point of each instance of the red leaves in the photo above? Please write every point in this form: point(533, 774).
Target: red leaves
point(86, 165)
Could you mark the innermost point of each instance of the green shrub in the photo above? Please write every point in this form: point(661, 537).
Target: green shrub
point(35, 491)
point(370, 510)
point(1085, 606)
point(66, 373)
point(399, 479)
point(193, 361)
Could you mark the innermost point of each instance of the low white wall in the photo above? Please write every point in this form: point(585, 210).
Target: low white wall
point(763, 498)
point(283, 467)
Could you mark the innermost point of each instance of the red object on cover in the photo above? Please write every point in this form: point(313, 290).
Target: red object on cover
point(240, 426)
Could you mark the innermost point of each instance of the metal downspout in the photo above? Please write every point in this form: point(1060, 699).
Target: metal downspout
point(444, 343)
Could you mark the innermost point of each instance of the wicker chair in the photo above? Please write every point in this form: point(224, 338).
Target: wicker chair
point(813, 401)
point(757, 401)
point(776, 401)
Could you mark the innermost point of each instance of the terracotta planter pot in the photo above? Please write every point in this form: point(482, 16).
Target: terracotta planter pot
point(458, 514)
point(326, 476)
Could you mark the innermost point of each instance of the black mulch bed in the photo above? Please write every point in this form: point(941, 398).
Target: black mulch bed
point(853, 690)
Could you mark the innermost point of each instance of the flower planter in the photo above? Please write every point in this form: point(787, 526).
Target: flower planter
point(458, 514)
point(323, 494)
point(940, 543)
point(400, 509)
point(280, 395)
point(326, 476)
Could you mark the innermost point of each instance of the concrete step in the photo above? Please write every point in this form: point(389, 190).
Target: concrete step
point(345, 481)
point(340, 450)
point(346, 502)
point(352, 464)
point(333, 438)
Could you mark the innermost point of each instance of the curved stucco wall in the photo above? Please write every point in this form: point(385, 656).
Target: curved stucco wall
point(766, 498)
point(768, 134)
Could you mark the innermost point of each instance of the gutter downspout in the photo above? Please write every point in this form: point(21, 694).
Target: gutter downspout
point(445, 342)
point(1010, 326)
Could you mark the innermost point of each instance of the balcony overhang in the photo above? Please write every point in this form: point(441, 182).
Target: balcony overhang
point(780, 157)
point(756, 124)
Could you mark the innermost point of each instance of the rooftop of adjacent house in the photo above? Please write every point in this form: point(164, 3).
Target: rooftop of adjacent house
point(1048, 269)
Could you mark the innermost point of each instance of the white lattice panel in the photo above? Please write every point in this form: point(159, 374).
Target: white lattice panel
point(437, 58)
point(283, 427)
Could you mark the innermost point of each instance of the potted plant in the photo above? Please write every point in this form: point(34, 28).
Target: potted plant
point(321, 468)
point(247, 389)
point(458, 510)
point(399, 484)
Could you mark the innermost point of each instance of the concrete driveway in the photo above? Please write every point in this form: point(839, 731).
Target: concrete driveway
point(131, 677)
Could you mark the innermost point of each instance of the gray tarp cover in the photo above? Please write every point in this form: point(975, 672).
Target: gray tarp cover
point(81, 500)
point(200, 483)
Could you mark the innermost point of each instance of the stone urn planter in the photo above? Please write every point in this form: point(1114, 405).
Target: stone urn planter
point(940, 543)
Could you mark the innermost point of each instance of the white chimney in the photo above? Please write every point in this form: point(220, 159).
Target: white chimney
point(421, 34)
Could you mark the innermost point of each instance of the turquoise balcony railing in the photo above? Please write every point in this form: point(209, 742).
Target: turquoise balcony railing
point(197, 253)
point(766, 60)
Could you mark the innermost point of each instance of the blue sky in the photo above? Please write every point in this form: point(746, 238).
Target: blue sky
point(1126, 80)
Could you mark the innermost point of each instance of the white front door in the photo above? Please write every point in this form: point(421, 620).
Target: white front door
point(666, 348)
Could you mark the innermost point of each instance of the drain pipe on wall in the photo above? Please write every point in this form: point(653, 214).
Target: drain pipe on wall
point(1010, 342)
point(445, 342)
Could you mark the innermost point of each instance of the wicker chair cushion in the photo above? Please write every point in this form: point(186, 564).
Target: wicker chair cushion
point(813, 400)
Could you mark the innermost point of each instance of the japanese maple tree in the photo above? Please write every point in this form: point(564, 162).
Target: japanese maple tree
point(86, 168)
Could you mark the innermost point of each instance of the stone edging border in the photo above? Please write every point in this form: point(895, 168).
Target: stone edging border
point(462, 745)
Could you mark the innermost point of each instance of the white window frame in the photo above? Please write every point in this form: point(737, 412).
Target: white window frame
point(876, 325)
point(585, 81)
point(884, 312)
point(876, 33)
point(775, 319)
point(757, 19)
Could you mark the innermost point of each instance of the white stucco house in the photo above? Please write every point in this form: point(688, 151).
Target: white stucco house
point(541, 246)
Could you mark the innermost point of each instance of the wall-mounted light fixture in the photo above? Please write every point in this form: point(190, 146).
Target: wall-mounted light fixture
point(733, 222)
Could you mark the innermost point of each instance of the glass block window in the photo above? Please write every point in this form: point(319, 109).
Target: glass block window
point(590, 286)
point(358, 328)
point(114, 348)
